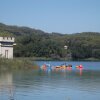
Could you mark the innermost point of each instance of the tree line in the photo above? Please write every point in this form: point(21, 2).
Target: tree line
point(36, 43)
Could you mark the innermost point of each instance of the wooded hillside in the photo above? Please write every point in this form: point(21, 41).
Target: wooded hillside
point(37, 43)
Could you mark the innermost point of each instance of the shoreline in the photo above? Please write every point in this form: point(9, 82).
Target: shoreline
point(54, 59)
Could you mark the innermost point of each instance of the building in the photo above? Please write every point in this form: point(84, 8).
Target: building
point(6, 47)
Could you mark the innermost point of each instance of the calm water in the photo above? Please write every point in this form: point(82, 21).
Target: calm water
point(52, 85)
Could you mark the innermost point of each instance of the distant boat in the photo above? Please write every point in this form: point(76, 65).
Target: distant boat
point(64, 66)
point(79, 67)
point(46, 66)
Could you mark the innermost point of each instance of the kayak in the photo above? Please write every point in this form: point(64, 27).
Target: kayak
point(79, 67)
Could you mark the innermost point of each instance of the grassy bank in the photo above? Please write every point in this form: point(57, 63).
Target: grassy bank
point(45, 59)
point(58, 59)
point(17, 63)
point(91, 59)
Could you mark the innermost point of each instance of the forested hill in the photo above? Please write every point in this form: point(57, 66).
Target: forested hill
point(36, 43)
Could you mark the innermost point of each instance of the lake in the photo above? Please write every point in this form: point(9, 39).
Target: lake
point(40, 84)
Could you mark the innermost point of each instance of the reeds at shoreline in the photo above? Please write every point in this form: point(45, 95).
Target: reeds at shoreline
point(16, 63)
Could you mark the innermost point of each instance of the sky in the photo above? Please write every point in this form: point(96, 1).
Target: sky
point(61, 16)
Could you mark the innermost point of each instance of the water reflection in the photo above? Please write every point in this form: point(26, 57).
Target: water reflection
point(80, 71)
point(6, 85)
point(50, 84)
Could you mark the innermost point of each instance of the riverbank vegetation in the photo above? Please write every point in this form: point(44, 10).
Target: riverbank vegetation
point(38, 44)
point(17, 63)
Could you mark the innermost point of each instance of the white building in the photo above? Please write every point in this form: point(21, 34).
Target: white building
point(6, 47)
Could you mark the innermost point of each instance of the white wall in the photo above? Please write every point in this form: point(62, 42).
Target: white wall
point(7, 39)
point(0, 49)
point(10, 51)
